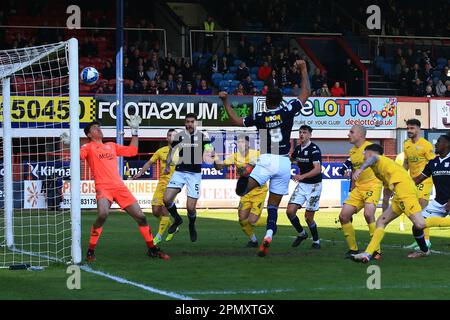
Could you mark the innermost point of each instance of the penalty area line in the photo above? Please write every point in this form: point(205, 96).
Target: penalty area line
point(136, 284)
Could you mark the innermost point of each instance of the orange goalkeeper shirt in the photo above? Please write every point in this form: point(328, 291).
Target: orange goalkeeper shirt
point(102, 159)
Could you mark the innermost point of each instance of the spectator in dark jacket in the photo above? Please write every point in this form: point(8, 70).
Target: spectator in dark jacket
point(141, 75)
point(417, 88)
point(242, 72)
point(108, 71)
point(224, 65)
point(248, 85)
point(272, 80)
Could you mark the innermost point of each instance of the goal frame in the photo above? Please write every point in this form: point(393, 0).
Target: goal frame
point(74, 111)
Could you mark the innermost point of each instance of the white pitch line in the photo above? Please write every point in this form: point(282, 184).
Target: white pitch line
point(114, 278)
point(351, 288)
point(136, 284)
point(263, 291)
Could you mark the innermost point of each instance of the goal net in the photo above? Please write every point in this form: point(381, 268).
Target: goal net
point(40, 176)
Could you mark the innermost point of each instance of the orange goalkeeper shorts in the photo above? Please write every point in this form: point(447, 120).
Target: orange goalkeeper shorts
point(119, 194)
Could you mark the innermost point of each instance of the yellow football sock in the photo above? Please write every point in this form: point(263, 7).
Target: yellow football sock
point(246, 227)
point(350, 237)
point(376, 241)
point(426, 232)
point(437, 222)
point(372, 227)
point(164, 223)
point(262, 222)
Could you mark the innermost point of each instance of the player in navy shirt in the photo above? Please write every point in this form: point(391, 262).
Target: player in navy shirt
point(274, 129)
point(439, 169)
point(308, 158)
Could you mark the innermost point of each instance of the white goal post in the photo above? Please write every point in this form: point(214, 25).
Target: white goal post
point(40, 101)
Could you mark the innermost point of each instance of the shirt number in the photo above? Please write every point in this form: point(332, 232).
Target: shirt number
point(276, 135)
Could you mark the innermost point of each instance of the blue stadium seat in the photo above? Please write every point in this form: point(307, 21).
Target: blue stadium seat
point(224, 84)
point(254, 76)
point(237, 62)
point(217, 75)
point(441, 62)
point(229, 76)
point(436, 73)
point(216, 78)
point(235, 83)
point(259, 84)
point(288, 91)
point(195, 55)
point(254, 70)
point(232, 69)
point(379, 61)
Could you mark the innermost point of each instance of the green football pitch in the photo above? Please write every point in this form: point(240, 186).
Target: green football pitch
point(218, 266)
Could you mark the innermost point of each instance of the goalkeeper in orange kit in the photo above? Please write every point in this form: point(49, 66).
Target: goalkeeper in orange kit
point(109, 186)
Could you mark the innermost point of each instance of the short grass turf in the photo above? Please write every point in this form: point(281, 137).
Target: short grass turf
point(218, 266)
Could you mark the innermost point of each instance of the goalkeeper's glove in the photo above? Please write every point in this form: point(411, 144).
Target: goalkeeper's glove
point(134, 123)
point(65, 138)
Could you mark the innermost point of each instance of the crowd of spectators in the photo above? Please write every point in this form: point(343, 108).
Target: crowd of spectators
point(419, 74)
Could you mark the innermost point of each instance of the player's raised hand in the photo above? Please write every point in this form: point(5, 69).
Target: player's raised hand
point(65, 138)
point(223, 95)
point(301, 64)
point(134, 122)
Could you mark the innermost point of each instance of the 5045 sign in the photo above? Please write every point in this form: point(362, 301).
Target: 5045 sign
point(48, 109)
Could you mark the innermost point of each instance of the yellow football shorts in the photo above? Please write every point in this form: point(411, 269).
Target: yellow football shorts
point(253, 201)
point(405, 199)
point(424, 189)
point(359, 196)
point(158, 196)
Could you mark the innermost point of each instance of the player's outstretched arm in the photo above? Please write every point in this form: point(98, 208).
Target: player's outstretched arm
point(365, 165)
point(143, 169)
point(421, 177)
point(233, 116)
point(306, 89)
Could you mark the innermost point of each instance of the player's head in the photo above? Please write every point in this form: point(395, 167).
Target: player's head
point(170, 135)
point(373, 149)
point(304, 133)
point(190, 122)
point(413, 128)
point(93, 131)
point(243, 142)
point(357, 134)
point(442, 146)
point(273, 97)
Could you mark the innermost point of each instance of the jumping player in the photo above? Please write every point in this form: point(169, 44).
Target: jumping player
point(274, 128)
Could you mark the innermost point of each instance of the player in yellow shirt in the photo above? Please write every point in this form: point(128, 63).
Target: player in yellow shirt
point(365, 193)
point(405, 200)
point(251, 205)
point(418, 152)
point(157, 201)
